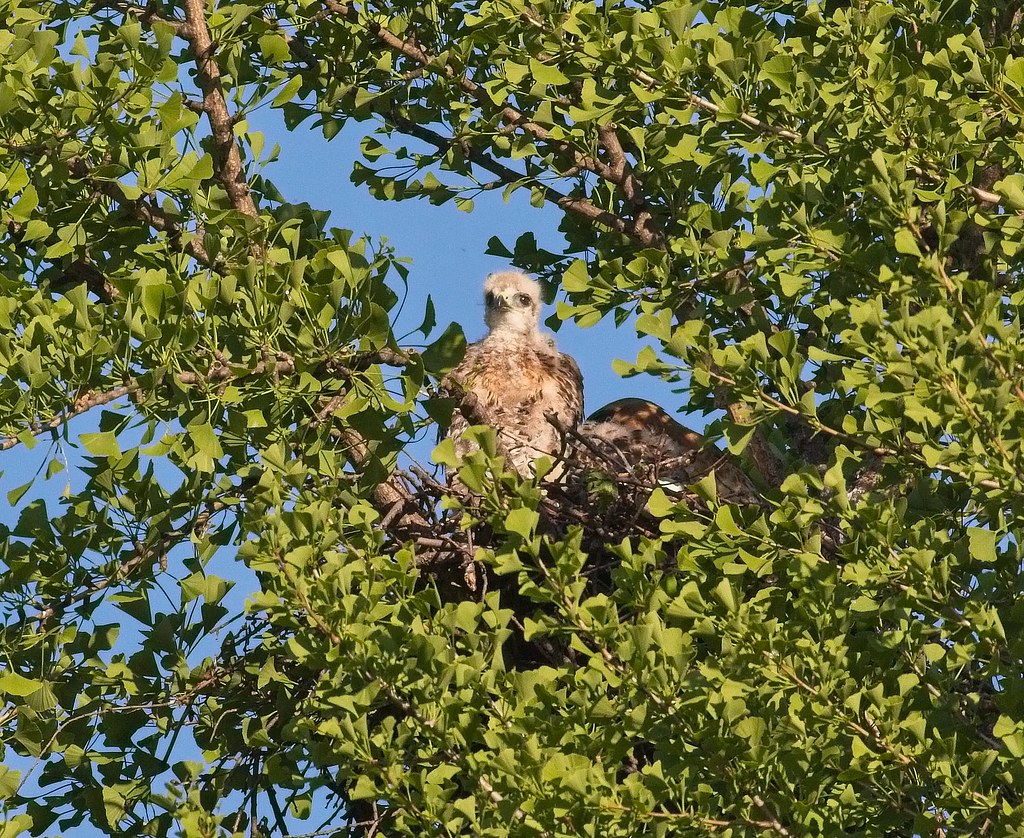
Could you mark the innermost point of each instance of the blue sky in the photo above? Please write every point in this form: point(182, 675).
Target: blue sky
point(447, 248)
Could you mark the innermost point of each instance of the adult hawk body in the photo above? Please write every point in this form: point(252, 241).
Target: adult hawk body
point(638, 437)
point(518, 376)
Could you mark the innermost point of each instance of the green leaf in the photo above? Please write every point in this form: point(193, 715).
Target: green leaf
point(10, 781)
point(79, 47)
point(522, 522)
point(43, 699)
point(982, 544)
point(274, 47)
point(15, 495)
point(287, 93)
point(25, 205)
point(16, 825)
point(102, 444)
point(204, 438)
point(35, 230)
point(429, 318)
point(726, 594)
point(12, 683)
point(863, 605)
point(1014, 72)
point(446, 352)
point(444, 453)
point(575, 279)
point(1012, 190)
point(659, 504)
point(364, 789)
point(547, 73)
point(1004, 725)
point(906, 243)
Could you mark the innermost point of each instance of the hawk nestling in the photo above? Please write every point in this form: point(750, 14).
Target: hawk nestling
point(518, 376)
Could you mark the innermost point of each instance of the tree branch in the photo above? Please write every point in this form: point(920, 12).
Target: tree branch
point(276, 363)
point(280, 363)
point(144, 211)
point(571, 203)
point(766, 461)
point(772, 821)
point(226, 157)
point(144, 554)
point(82, 272)
point(231, 174)
point(878, 451)
point(1007, 20)
point(643, 218)
point(145, 14)
point(700, 103)
point(641, 228)
point(85, 402)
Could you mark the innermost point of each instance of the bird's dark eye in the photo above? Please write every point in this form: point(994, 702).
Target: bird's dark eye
point(489, 298)
point(523, 299)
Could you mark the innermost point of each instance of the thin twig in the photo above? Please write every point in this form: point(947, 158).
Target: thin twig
point(641, 228)
point(86, 401)
point(571, 203)
point(773, 821)
point(144, 211)
point(701, 103)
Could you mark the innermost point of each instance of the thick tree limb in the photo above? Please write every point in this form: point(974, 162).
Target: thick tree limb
point(229, 169)
point(274, 363)
point(643, 218)
point(227, 160)
point(81, 272)
point(281, 363)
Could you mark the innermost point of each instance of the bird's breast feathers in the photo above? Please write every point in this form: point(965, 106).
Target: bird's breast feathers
point(524, 379)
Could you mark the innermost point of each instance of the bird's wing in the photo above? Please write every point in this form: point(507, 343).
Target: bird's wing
point(644, 433)
point(463, 376)
point(569, 380)
point(644, 417)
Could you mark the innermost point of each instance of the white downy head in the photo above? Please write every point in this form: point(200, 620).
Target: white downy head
point(512, 305)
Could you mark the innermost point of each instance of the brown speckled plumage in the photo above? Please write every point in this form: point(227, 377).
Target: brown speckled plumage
point(640, 436)
point(519, 376)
